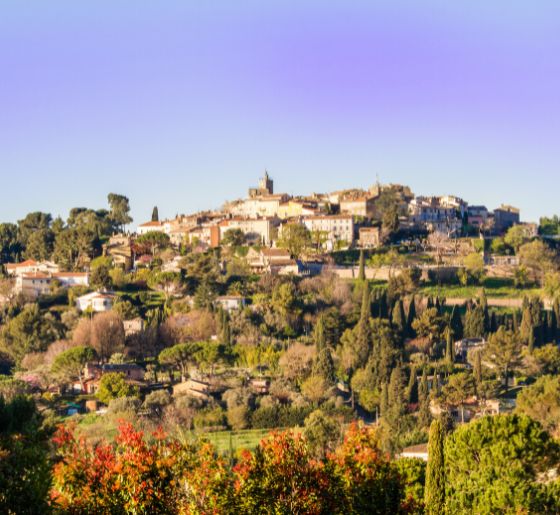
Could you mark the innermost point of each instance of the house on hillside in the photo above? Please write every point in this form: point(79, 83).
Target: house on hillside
point(231, 303)
point(96, 301)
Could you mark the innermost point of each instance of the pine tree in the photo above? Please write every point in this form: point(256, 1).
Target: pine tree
point(397, 397)
point(383, 307)
point(362, 267)
point(323, 365)
point(155, 214)
point(435, 472)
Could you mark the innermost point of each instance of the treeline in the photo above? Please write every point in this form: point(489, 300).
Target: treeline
point(71, 243)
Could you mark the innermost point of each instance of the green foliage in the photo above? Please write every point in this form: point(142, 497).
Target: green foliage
point(295, 238)
point(113, 385)
point(29, 331)
point(25, 475)
point(69, 365)
point(279, 416)
point(120, 209)
point(541, 402)
point(322, 433)
point(179, 356)
point(435, 472)
point(493, 465)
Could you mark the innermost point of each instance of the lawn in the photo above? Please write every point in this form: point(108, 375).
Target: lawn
point(494, 288)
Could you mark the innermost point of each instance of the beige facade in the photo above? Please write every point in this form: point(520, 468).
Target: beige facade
point(362, 206)
point(369, 237)
point(259, 230)
point(337, 228)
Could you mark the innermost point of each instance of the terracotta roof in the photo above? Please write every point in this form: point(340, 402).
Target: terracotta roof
point(151, 224)
point(27, 262)
point(275, 252)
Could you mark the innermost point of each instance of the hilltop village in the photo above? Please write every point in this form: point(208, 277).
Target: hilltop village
point(277, 312)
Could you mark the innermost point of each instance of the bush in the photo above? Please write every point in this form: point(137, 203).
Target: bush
point(283, 416)
point(210, 418)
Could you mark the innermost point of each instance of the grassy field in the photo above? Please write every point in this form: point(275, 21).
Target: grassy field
point(235, 440)
point(494, 288)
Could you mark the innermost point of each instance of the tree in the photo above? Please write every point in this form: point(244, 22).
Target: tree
point(458, 389)
point(29, 331)
point(398, 318)
point(516, 236)
point(504, 351)
point(10, 246)
point(179, 356)
point(154, 240)
point(155, 214)
point(430, 325)
point(474, 322)
point(233, 238)
point(435, 472)
point(541, 402)
point(474, 267)
point(495, 465)
point(295, 238)
point(323, 365)
point(69, 365)
point(107, 334)
point(280, 477)
point(538, 259)
point(371, 484)
point(362, 267)
point(321, 433)
point(113, 385)
point(24, 464)
point(100, 278)
point(119, 210)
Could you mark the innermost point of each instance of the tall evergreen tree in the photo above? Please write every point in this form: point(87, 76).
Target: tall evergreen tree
point(362, 267)
point(412, 388)
point(456, 324)
point(411, 317)
point(435, 472)
point(398, 318)
point(477, 368)
point(155, 214)
point(424, 415)
point(449, 351)
point(323, 365)
point(474, 322)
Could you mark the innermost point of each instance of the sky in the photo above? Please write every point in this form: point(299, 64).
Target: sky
point(183, 104)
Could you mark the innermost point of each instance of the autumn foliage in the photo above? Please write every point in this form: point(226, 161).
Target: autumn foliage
point(158, 475)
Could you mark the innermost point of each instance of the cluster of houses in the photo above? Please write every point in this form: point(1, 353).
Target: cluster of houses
point(340, 219)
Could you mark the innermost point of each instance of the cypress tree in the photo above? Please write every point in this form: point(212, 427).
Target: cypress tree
point(435, 384)
point(362, 267)
point(474, 323)
point(383, 307)
point(411, 317)
point(449, 351)
point(435, 472)
point(515, 321)
point(412, 389)
point(477, 368)
point(384, 404)
point(456, 324)
point(398, 318)
point(556, 309)
point(323, 365)
point(424, 414)
point(155, 214)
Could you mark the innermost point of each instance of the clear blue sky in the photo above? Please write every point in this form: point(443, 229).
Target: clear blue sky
point(183, 104)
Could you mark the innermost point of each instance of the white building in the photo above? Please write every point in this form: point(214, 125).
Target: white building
point(259, 230)
point(96, 301)
point(231, 302)
point(31, 266)
point(336, 228)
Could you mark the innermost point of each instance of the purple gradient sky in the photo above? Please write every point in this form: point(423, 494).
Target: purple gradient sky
point(183, 104)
